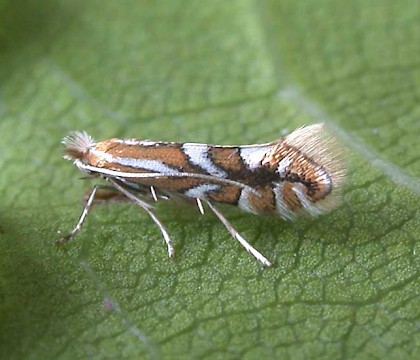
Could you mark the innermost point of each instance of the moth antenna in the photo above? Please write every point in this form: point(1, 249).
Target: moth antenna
point(77, 144)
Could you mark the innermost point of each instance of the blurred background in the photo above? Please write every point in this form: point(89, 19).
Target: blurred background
point(239, 72)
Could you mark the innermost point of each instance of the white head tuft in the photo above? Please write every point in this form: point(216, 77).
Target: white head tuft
point(77, 145)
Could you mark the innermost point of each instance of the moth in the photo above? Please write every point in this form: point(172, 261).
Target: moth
point(301, 173)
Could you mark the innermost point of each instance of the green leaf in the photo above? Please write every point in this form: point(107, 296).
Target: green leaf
point(345, 285)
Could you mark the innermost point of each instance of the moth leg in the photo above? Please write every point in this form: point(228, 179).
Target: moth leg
point(248, 247)
point(153, 192)
point(83, 216)
point(200, 206)
point(105, 194)
point(146, 207)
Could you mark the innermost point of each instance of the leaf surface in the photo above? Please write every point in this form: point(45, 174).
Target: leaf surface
point(345, 285)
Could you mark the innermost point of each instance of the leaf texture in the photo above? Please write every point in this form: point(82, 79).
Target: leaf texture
point(343, 286)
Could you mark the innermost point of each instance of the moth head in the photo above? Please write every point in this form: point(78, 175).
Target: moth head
point(77, 144)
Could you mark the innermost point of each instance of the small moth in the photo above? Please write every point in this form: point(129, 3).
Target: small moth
point(301, 173)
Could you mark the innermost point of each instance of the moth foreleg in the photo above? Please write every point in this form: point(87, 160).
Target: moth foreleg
point(83, 216)
point(248, 247)
point(146, 207)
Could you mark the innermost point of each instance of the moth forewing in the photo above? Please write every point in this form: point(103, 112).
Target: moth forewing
point(298, 174)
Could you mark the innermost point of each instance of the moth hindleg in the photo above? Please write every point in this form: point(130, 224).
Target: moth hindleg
point(248, 247)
